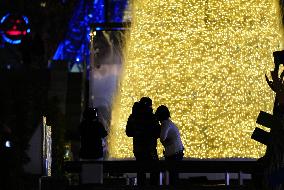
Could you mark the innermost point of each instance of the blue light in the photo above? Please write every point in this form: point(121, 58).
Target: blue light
point(26, 19)
point(11, 41)
point(117, 10)
point(4, 18)
point(6, 38)
point(87, 13)
point(59, 52)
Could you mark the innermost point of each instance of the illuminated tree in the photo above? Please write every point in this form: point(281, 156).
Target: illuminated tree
point(206, 61)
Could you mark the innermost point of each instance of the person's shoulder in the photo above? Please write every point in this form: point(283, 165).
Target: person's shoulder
point(131, 116)
point(171, 123)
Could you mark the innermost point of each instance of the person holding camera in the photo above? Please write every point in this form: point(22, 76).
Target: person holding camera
point(273, 160)
point(170, 138)
point(143, 126)
point(277, 84)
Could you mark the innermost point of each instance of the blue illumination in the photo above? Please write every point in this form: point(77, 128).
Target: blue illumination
point(86, 13)
point(117, 10)
point(4, 18)
point(26, 19)
point(6, 39)
point(76, 43)
point(77, 59)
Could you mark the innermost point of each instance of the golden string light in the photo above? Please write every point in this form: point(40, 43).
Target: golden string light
point(206, 61)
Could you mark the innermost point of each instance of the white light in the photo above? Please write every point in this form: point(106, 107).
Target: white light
point(92, 34)
point(43, 4)
point(8, 144)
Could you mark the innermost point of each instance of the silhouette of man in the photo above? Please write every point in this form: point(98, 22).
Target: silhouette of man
point(273, 160)
point(143, 126)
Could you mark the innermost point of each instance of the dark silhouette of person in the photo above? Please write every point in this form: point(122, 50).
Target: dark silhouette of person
point(272, 162)
point(91, 133)
point(143, 126)
point(170, 138)
point(277, 84)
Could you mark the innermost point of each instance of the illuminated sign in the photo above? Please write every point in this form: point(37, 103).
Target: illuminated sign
point(14, 27)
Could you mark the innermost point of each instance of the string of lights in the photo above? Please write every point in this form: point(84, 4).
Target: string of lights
point(74, 47)
point(206, 61)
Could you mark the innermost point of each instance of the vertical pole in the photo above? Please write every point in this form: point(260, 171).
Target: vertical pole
point(84, 99)
point(91, 68)
point(240, 176)
point(227, 179)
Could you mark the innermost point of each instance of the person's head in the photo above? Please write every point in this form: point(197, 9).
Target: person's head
point(136, 108)
point(162, 113)
point(90, 113)
point(146, 104)
point(146, 101)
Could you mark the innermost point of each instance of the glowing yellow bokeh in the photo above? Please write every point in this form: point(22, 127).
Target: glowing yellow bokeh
point(206, 61)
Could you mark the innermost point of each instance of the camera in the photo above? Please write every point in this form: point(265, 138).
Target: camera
point(278, 57)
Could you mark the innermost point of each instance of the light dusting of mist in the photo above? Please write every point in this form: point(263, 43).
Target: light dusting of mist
point(105, 73)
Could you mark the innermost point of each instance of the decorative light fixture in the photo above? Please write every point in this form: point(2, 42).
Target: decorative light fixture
point(206, 61)
point(14, 28)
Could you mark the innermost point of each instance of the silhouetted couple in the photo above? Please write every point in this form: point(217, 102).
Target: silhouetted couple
point(143, 125)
